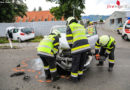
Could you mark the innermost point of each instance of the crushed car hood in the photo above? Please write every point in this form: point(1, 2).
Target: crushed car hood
point(64, 44)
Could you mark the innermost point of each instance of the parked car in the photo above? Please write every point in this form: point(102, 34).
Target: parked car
point(21, 33)
point(126, 30)
point(119, 29)
point(64, 60)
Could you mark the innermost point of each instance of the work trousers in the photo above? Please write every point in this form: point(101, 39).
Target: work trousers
point(111, 56)
point(49, 65)
point(78, 61)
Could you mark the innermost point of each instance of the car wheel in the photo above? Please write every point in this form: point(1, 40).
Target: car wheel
point(125, 37)
point(19, 40)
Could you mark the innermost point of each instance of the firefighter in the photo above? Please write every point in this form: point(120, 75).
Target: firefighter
point(106, 44)
point(91, 28)
point(78, 42)
point(47, 51)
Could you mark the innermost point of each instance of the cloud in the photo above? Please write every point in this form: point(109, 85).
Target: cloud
point(31, 4)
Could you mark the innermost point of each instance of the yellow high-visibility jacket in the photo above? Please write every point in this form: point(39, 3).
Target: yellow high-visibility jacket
point(48, 46)
point(110, 45)
point(77, 39)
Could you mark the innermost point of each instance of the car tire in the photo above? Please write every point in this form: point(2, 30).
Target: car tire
point(125, 37)
point(19, 40)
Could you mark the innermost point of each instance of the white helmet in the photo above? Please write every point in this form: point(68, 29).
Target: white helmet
point(104, 39)
point(69, 19)
point(56, 32)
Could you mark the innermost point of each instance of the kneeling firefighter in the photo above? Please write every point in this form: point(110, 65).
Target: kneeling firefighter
point(106, 44)
point(78, 42)
point(47, 51)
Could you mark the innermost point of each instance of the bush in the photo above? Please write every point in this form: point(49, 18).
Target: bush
point(3, 40)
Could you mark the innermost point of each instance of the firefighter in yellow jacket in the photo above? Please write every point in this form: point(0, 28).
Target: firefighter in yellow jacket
point(106, 44)
point(47, 50)
point(78, 42)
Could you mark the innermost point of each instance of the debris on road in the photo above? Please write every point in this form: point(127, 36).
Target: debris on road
point(16, 88)
point(18, 65)
point(27, 78)
point(17, 74)
point(58, 87)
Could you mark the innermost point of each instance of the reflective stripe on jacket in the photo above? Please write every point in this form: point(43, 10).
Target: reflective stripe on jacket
point(77, 39)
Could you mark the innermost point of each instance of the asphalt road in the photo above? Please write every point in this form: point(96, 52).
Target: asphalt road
point(96, 78)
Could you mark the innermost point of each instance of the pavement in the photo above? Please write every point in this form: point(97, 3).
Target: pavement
point(96, 78)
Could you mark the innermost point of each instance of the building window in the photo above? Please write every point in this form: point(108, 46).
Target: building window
point(21, 20)
point(119, 20)
point(39, 20)
point(111, 21)
point(26, 20)
point(32, 20)
point(45, 20)
point(52, 19)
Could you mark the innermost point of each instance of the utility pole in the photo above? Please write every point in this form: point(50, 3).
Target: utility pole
point(74, 11)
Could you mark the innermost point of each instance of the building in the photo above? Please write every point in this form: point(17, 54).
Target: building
point(35, 16)
point(116, 19)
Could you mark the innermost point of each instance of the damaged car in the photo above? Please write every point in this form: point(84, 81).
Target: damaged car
point(64, 60)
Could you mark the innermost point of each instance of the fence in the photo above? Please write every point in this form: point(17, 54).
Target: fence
point(40, 28)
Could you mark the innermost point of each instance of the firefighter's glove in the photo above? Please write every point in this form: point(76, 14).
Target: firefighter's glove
point(97, 56)
point(55, 55)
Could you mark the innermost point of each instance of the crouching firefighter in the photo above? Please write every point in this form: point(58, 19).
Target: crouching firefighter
point(106, 44)
point(78, 42)
point(47, 51)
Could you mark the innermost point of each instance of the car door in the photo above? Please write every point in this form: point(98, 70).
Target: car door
point(92, 36)
point(15, 33)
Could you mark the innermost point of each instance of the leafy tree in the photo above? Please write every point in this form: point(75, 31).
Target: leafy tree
point(34, 9)
point(9, 9)
point(40, 9)
point(101, 20)
point(67, 8)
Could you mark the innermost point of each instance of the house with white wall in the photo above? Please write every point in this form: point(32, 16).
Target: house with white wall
point(116, 19)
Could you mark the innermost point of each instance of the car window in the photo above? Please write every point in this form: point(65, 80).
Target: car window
point(127, 26)
point(121, 25)
point(27, 30)
point(91, 31)
point(15, 30)
point(60, 29)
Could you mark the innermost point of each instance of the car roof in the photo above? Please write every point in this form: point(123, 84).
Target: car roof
point(55, 26)
point(11, 27)
point(20, 27)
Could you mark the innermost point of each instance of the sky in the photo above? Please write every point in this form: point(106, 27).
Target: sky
point(93, 7)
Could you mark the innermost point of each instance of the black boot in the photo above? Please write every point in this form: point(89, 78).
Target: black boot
point(100, 63)
point(55, 76)
point(74, 79)
point(48, 75)
point(80, 77)
point(111, 65)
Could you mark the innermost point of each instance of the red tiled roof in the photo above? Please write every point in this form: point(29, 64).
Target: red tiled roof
point(36, 16)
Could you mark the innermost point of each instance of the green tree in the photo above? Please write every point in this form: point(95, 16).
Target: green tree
point(34, 9)
point(101, 20)
point(67, 8)
point(40, 9)
point(9, 9)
